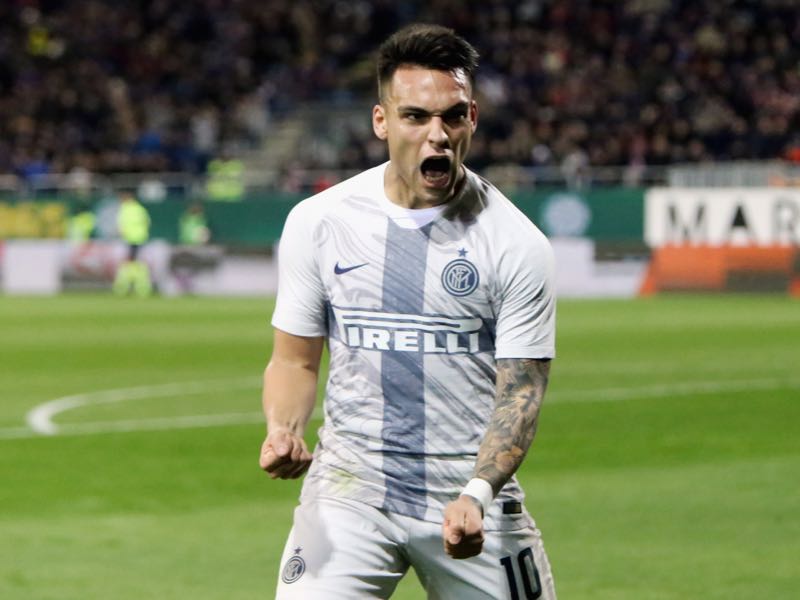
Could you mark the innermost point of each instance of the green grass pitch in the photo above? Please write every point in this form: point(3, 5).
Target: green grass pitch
point(666, 465)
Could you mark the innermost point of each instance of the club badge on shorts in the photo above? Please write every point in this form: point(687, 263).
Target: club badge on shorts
point(294, 568)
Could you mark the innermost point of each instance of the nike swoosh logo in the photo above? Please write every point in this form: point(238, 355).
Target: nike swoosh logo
point(339, 270)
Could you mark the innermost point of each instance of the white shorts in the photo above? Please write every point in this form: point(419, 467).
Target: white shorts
point(342, 549)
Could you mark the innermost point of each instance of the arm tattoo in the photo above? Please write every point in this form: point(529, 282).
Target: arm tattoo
point(521, 384)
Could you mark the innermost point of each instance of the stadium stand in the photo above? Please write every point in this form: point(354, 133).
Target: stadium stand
point(105, 87)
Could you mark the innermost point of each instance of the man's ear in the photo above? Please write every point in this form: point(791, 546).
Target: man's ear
point(473, 114)
point(379, 122)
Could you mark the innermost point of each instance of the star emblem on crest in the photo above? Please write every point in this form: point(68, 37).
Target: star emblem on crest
point(462, 252)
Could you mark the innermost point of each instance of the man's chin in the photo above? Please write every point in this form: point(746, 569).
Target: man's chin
point(437, 195)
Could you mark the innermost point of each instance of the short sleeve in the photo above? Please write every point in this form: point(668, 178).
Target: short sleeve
point(300, 305)
point(526, 306)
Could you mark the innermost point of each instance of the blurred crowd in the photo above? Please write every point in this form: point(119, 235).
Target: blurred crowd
point(163, 85)
point(156, 85)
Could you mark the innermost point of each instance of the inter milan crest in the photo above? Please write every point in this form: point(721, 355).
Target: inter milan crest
point(460, 277)
point(294, 568)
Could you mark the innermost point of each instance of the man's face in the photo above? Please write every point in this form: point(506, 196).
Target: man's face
point(428, 118)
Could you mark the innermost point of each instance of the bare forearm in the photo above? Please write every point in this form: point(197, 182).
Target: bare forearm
point(521, 384)
point(290, 392)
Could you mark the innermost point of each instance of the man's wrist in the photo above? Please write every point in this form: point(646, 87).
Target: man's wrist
point(481, 491)
point(288, 428)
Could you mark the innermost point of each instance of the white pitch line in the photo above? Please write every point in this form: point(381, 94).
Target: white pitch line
point(152, 424)
point(673, 389)
point(162, 423)
point(40, 419)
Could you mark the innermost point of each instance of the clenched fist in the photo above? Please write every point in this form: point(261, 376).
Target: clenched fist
point(462, 530)
point(284, 455)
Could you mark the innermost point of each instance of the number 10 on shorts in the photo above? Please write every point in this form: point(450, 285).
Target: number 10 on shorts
point(531, 584)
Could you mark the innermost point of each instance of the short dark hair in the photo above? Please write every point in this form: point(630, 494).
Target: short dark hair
point(429, 46)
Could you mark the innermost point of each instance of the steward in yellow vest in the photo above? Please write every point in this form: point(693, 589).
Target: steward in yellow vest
point(133, 224)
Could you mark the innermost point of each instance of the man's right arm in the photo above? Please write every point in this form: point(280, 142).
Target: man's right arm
point(289, 395)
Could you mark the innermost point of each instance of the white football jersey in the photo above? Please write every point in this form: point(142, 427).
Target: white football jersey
point(416, 305)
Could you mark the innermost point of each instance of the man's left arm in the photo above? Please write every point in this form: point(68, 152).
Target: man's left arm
point(521, 384)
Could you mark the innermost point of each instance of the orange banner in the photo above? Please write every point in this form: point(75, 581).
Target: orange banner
point(723, 268)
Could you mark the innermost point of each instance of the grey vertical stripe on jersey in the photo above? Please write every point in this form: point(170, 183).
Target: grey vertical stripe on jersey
point(402, 376)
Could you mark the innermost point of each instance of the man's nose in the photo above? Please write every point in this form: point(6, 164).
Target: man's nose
point(437, 134)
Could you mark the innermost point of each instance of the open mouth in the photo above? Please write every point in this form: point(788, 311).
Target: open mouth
point(436, 171)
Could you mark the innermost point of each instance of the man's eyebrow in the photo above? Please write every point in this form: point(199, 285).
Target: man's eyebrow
point(457, 107)
point(412, 109)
